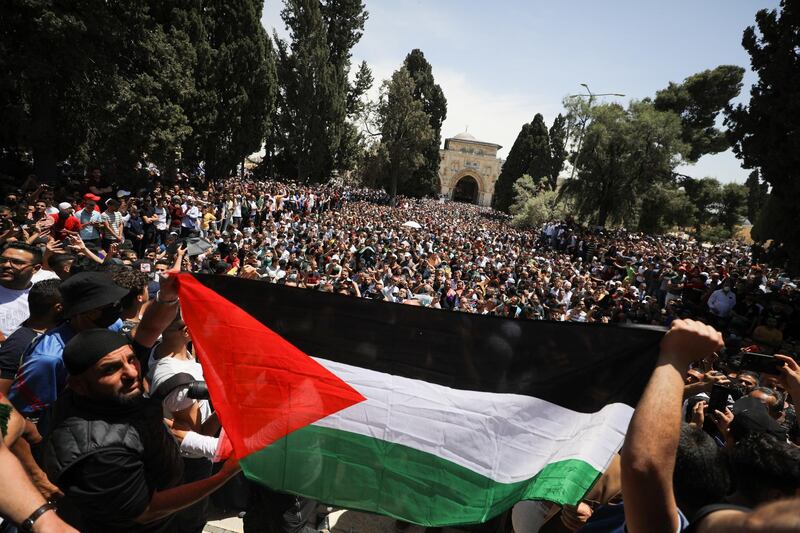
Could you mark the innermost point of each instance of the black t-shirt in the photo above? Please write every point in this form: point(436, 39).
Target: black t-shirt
point(12, 349)
point(149, 212)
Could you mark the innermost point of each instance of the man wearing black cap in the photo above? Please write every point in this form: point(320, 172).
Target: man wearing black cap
point(109, 451)
point(91, 300)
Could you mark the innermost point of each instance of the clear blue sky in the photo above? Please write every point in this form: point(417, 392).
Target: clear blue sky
point(499, 63)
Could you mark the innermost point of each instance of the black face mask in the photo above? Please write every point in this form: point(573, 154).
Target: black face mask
point(109, 315)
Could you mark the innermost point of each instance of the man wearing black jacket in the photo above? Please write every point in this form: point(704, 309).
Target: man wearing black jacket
point(110, 452)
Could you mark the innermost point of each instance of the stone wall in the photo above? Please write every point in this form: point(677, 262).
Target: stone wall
point(469, 158)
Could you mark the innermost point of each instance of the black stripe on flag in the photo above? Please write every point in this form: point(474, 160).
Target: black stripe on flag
point(578, 366)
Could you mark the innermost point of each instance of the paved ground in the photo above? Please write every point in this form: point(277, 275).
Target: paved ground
point(336, 522)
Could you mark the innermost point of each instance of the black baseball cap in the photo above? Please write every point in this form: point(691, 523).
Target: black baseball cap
point(89, 290)
point(89, 346)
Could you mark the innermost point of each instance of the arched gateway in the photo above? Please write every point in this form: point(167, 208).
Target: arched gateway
point(466, 190)
point(469, 169)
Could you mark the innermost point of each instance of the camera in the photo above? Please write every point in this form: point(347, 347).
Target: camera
point(198, 390)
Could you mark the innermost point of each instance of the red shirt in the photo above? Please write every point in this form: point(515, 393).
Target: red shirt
point(61, 226)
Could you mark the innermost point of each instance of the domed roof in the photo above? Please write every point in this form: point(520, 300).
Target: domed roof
point(465, 136)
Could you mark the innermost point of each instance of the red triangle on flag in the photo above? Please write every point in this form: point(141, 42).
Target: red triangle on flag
point(262, 387)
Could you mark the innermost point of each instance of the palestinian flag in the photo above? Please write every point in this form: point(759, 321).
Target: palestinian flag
point(429, 416)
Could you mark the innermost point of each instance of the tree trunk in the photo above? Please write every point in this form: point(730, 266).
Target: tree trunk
point(393, 188)
point(43, 140)
point(602, 215)
point(44, 160)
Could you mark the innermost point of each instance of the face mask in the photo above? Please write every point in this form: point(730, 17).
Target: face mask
point(109, 315)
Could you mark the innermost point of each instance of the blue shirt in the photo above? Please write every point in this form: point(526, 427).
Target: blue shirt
point(86, 217)
point(42, 375)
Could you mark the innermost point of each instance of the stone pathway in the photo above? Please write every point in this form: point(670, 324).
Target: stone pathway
point(340, 521)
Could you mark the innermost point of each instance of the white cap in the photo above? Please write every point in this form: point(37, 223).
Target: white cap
point(122, 193)
point(335, 257)
point(64, 206)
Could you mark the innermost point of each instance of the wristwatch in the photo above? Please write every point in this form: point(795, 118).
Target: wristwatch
point(165, 302)
point(27, 524)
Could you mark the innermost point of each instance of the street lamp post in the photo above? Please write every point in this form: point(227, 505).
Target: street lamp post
point(591, 97)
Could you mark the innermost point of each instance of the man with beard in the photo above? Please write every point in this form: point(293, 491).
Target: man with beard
point(109, 451)
point(19, 262)
point(64, 222)
point(90, 300)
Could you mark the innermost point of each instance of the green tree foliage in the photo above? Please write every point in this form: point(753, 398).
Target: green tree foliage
point(757, 192)
point(705, 195)
point(698, 101)
point(530, 154)
point(513, 168)
point(352, 152)
point(732, 206)
point(425, 181)
point(539, 162)
point(122, 83)
point(665, 206)
point(764, 132)
point(558, 149)
point(313, 70)
point(306, 93)
point(92, 79)
point(624, 153)
point(533, 207)
point(717, 208)
point(406, 133)
point(236, 85)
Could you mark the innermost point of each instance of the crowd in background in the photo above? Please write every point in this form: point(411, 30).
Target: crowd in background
point(82, 255)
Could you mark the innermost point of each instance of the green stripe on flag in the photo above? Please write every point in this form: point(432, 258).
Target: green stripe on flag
point(362, 473)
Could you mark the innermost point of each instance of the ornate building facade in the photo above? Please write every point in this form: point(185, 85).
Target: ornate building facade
point(468, 169)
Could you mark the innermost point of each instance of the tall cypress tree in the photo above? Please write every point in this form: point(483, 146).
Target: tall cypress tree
point(345, 21)
point(764, 132)
point(425, 180)
point(514, 167)
point(558, 149)
point(236, 85)
point(313, 75)
point(539, 162)
point(757, 193)
point(530, 154)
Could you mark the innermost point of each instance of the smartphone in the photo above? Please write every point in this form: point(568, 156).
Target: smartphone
point(145, 267)
point(761, 362)
point(719, 398)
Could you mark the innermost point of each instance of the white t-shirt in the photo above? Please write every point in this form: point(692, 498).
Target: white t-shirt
point(178, 399)
point(42, 275)
point(13, 309)
point(161, 218)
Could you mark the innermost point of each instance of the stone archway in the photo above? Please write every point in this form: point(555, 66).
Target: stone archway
point(466, 190)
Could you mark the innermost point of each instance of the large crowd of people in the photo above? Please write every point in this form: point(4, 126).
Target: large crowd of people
point(89, 322)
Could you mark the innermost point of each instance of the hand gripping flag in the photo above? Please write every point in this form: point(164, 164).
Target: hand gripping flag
point(429, 416)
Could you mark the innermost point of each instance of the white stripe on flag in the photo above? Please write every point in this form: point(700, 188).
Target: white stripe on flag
point(505, 437)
